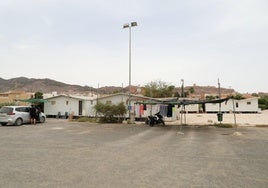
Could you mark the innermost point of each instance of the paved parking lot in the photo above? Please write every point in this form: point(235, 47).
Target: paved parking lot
point(67, 154)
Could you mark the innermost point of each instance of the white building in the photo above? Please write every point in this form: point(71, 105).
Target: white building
point(63, 105)
point(140, 106)
point(125, 98)
point(249, 105)
point(190, 108)
point(84, 106)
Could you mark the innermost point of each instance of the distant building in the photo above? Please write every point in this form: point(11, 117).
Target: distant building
point(140, 106)
point(64, 105)
point(14, 96)
point(249, 105)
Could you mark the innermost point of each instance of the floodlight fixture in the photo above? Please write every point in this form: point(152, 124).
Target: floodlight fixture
point(129, 25)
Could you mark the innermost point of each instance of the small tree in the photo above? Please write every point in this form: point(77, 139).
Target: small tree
point(238, 96)
point(159, 89)
point(38, 95)
point(110, 111)
point(263, 102)
point(191, 90)
point(210, 97)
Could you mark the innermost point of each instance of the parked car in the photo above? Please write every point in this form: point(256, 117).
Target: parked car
point(18, 115)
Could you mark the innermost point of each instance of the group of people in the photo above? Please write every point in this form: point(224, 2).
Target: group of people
point(34, 114)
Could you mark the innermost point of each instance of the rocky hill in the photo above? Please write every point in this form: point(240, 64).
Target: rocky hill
point(200, 91)
point(48, 85)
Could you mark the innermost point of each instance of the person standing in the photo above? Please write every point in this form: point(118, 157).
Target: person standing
point(33, 114)
point(38, 111)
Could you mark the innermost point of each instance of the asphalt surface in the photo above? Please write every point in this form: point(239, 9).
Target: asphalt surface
point(67, 154)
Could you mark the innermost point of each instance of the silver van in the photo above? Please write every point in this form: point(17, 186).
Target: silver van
point(17, 115)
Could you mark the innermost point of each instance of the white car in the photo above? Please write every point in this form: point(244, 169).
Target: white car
point(17, 115)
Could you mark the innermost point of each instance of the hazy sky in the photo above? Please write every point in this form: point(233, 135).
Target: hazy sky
point(82, 42)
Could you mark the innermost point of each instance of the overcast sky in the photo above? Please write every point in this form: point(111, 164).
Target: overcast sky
point(82, 42)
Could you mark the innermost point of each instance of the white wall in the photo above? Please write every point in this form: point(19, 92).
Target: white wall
point(246, 105)
point(118, 98)
point(213, 107)
point(192, 108)
point(114, 99)
point(60, 104)
point(90, 107)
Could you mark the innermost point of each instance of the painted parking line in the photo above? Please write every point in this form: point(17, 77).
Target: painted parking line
point(57, 128)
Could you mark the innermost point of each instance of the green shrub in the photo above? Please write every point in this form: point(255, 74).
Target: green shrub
point(110, 112)
point(263, 102)
point(86, 119)
point(223, 125)
point(110, 120)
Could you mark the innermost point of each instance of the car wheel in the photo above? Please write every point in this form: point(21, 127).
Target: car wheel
point(18, 122)
point(42, 119)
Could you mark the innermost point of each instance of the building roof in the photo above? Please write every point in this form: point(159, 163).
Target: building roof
point(62, 95)
point(72, 97)
point(127, 95)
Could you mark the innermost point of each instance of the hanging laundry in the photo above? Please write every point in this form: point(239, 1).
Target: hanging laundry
point(137, 109)
point(141, 110)
point(163, 110)
point(169, 111)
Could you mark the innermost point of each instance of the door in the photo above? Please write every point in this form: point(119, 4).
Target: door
point(24, 113)
point(80, 107)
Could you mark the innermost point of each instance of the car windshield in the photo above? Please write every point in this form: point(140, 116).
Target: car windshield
point(6, 110)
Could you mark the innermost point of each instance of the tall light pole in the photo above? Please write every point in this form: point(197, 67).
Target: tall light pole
point(129, 25)
point(182, 88)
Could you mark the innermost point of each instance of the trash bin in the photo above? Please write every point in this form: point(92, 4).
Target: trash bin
point(219, 115)
point(58, 115)
point(66, 115)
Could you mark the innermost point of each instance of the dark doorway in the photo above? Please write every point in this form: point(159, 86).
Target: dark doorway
point(80, 108)
point(203, 108)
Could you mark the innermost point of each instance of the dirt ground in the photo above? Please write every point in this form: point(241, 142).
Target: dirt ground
point(60, 153)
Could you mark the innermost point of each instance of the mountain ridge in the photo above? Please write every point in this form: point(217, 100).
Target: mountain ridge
point(46, 85)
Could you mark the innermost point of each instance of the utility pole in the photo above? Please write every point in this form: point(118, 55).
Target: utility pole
point(219, 113)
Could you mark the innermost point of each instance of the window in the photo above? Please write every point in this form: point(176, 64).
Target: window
point(6, 110)
point(236, 104)
point(248, 103)
point(53, 102)
point(22, 109)
point(19, 109)
point(67, 102)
